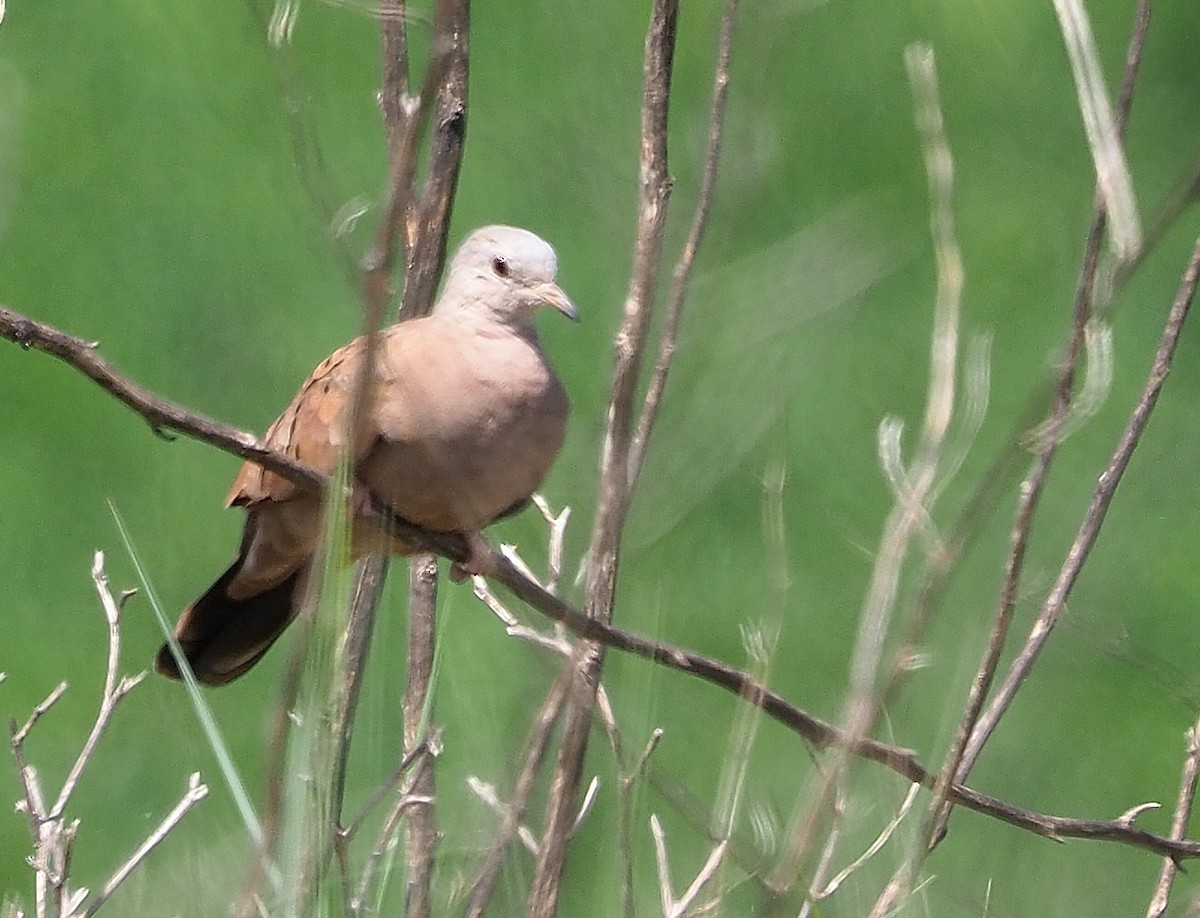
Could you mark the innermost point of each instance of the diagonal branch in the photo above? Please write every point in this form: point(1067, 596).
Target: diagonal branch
point(819, 733)
point(1089, 529)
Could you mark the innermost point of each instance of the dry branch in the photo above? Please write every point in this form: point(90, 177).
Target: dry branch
point(53, 836)
point(819, 733)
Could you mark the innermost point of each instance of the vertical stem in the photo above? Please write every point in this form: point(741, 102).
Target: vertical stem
point(614, 485)
point(421, 830)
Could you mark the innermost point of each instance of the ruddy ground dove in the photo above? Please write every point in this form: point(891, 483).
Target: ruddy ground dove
point(463, 422)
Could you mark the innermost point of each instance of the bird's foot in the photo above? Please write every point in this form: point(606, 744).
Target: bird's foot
point(481, 559)
point(362, 502)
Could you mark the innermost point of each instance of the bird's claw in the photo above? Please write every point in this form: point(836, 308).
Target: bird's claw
point(480, 562)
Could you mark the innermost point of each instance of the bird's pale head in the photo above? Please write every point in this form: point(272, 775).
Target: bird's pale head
point(507, 272)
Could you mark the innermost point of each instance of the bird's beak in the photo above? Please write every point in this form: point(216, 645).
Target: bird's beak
point(551, 294)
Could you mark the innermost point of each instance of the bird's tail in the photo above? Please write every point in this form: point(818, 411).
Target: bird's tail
point(222, 637)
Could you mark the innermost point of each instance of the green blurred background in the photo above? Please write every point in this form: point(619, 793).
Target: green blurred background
point(151, 198)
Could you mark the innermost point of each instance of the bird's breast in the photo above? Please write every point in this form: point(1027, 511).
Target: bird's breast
point(456, 454)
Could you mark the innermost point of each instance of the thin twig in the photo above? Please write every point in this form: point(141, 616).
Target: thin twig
point(915, 488)
point(379, 852)
point(194, 794)
point(683, 268)
point(825, 862)
point(626, 781)
point(114, 689)
point(487, 793)
point(1102, 496)
point(32, 799)
point(875, 847)
point(45, 705)
point(423, 749)
point(678, 908)
point(533, 756)
point(1179, 822)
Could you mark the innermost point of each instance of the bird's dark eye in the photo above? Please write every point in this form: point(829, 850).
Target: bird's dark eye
point(500, 266)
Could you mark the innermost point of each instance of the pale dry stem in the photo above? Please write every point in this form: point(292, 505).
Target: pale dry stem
point(53, 836)
point(914, 487)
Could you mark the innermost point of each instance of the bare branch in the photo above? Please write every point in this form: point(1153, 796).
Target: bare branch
point(626, 781)
point(616, 473)
point(403, 803)
point(194, 794)
point(683, 268)
point(42, 707)
point(534, 755)
point(820, 733)
point(53, 838)
point(428, 747)
point(882, 839)
point(1104, 131)
point(538, 743)
point(916, 487)
point(678, 908)
point(114, 689)
point(421, 834)
point(420, 228)
point(1089, 529)
point(161, 415)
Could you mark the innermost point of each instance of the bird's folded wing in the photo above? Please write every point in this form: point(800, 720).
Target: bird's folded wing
point(312, 430)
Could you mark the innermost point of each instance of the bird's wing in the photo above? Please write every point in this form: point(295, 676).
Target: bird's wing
point(312, 430)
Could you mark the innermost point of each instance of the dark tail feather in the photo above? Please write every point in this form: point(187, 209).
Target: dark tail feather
point(222, 637)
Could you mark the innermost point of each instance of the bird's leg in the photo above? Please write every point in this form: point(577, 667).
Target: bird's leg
point(481, 560)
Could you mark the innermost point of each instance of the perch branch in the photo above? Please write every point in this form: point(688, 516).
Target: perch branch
point(819, 733)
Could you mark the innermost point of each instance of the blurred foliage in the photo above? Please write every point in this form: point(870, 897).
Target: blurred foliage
point(153, 198)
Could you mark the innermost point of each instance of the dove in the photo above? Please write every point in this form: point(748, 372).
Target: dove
point(463, 420)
